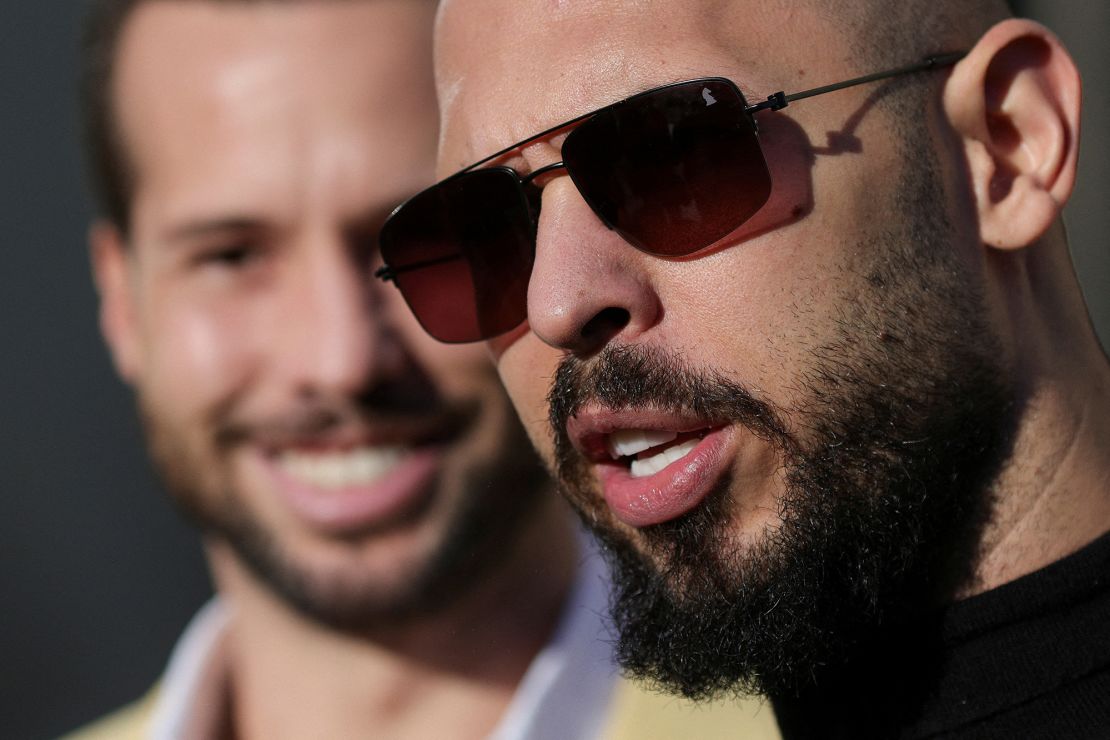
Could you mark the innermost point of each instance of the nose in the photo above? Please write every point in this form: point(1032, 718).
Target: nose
point(337, 341)
point(588, 287)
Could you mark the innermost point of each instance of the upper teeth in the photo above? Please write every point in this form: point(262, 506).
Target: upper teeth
point(333, 469)
point(628, 442)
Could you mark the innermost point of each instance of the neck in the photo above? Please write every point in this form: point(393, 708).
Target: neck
point(453, 672)
point(1053, 496)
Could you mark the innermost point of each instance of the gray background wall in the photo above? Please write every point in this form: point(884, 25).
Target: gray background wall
point(97, 576)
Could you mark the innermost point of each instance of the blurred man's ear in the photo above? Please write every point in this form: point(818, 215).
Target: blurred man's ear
point(111, 272)
point(1015, 101)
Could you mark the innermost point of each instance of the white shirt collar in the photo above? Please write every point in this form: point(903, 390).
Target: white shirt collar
point(566, 691)
point(193, 696)
point(564, 694)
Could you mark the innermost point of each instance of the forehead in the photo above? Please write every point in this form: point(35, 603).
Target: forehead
point(213, 99)
point(509, 68)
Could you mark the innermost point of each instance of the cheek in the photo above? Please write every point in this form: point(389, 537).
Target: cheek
point(527, 367)
point(756, 312)
point(196, 352)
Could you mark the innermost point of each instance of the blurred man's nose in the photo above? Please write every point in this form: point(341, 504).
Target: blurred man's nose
point(335, 339)
point(588, 285)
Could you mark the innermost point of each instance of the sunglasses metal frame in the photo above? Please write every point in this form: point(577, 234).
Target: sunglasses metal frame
point(530, 193)
point(774, 102)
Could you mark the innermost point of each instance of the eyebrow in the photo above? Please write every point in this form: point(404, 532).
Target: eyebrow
point(369, 220)
point(200, 228)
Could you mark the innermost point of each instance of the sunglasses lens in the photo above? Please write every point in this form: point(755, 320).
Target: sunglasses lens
point(461, 254)
point(674, 170)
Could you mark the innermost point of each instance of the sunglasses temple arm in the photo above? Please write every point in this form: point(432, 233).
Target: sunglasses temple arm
point(780, 100)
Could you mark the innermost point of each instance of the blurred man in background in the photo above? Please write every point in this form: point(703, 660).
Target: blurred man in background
point(388, 559)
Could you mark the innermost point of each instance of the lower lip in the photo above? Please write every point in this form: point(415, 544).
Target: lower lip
point(674, 490)
point(353, 508)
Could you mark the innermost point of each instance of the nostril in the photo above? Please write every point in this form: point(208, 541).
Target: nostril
point(605, 325)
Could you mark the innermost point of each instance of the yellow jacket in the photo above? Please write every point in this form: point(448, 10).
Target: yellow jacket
point(635, 714)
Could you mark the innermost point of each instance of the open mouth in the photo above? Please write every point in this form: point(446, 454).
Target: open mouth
point(652, 465)
point(358, 454)
point(356, 477)
point(343, 490)
point(337, 469)
point(648, 451)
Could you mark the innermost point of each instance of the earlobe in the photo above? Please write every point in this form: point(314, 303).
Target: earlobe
point(110, 266)
point(1015, 102)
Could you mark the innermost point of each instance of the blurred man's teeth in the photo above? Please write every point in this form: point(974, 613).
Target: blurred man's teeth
point(655, 463)
point(628, 442)
point(356, 467)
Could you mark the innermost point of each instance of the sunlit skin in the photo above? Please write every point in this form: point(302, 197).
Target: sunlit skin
point(756, 306)
point(770, 311)
point(242, 298)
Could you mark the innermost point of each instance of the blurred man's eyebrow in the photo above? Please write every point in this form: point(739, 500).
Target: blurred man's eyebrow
point(371, 219)
point(200, 228)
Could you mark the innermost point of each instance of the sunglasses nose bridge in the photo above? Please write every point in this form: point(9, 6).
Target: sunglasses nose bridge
point(531, 176)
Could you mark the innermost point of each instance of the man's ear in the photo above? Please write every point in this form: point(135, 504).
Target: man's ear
point(118, 314)
point(1015, 101)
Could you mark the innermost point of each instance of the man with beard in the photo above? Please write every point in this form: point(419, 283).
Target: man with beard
point(812, 364)
point(388, 560)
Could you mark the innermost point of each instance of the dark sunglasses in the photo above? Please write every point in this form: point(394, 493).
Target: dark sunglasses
point(673, 170)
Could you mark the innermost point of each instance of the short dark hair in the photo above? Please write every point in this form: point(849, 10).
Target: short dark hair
point(109, 171)
point(888, 34)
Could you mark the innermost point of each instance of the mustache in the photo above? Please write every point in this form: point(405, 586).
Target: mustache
point(419, 415)
point(631, 376)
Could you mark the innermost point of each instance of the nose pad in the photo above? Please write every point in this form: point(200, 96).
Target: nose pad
point(589, 287)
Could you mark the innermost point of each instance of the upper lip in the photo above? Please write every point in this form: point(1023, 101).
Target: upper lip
point(589, 428)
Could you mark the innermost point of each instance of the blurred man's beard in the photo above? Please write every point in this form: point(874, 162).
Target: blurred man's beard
point(494, 502)
point(906, 422)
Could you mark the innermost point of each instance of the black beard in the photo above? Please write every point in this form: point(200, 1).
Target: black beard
point(907, 420)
